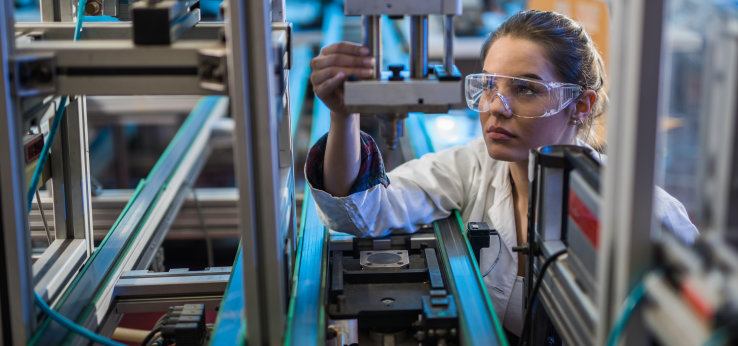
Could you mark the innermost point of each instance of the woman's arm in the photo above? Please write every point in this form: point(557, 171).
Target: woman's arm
point(342, 154)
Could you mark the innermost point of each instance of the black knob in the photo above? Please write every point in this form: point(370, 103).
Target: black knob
point(396, 69)
point(353, 78)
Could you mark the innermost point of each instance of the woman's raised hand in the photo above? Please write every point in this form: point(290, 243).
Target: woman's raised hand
point(333, 66)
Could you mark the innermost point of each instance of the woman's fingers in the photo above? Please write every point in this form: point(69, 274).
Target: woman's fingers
point(345, 48)
point(327, 87)
point(340, 59)
point(320, 76)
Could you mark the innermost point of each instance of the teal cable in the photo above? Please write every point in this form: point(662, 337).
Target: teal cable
point(630, 304)
point(57, 117)
point(45, 151)
point(71, 325)
point(718, 337)
point(80, 18)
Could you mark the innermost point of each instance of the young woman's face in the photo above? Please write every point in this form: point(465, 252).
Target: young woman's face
point(508, 137)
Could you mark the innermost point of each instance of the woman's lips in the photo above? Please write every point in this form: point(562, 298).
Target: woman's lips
point(499, 133)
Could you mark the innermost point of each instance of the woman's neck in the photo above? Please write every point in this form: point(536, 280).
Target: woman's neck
point(520, 183)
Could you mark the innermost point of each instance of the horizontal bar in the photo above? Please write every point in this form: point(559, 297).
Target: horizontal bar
point(172, 283)
point(382, 97)
point(106, 31)
point(138, 305)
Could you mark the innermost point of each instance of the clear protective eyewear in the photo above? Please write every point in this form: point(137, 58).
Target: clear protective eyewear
point(520, 96)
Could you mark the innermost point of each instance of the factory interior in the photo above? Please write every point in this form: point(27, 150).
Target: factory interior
point(154, 189)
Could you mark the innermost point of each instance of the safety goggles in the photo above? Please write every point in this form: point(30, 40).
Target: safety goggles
point(519, 96)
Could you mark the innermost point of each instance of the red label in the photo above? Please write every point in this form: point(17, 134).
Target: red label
point(585, 219)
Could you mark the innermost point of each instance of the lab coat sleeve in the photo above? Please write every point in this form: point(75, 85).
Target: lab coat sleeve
point(421, 191)
point(673, 216)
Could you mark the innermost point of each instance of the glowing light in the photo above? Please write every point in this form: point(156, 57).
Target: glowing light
point(445, 123)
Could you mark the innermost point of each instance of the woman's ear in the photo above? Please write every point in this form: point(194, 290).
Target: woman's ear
point(583, 105)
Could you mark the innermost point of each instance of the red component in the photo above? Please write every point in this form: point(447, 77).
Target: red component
point(585, 219)
point(702, 307)
point(34, 148)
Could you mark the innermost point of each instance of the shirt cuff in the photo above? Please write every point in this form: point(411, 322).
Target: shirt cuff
point(371, 172)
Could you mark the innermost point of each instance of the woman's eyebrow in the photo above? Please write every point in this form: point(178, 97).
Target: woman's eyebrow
point(526, 75)
point(531, 76)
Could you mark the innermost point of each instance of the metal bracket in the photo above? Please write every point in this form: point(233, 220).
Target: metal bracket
point(212, 70)
point(287, 28)
point(33, 75)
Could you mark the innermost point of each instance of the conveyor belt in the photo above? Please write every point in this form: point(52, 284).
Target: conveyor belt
point(306, 316)
point(230, 327)
point(479, 324)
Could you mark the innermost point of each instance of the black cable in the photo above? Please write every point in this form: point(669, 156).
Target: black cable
point(533, 295)
point(499, 252)
point(149, 337)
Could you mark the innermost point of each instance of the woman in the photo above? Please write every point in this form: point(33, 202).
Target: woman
point(542, 83)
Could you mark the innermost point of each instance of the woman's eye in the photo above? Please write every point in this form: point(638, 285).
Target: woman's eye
point(527, 90)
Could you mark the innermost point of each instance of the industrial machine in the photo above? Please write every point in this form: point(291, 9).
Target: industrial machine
point(393, 93)
point(165, 51)
point(309, 285)
point(564, 243)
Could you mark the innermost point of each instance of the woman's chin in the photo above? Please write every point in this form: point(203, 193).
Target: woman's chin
point(500, 153)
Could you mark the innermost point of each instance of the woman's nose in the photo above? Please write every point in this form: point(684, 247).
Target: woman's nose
point(499, 106)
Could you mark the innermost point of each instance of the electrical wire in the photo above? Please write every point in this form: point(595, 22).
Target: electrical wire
point(45, 151)
point(630, 304)
point(499, 252)
point(43, 217)
point(718, 337)
point(533, 295)
point(71, 325)
point(151, 337)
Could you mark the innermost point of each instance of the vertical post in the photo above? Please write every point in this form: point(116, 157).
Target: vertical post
point(629, 173)
point(448, 44)
point(16, 299)
point(418, 47)
point(251, 91)
point(278, 10)
point(70, 167)
point(373, 40)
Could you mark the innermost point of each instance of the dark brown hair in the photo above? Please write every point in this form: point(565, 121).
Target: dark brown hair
point(572, 53)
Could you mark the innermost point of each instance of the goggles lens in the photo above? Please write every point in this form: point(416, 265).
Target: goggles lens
point(523, 97)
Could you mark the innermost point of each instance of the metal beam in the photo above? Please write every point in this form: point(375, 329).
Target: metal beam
point(16, 301)
point(252, 91)
point(118, 67)
point(627, 222)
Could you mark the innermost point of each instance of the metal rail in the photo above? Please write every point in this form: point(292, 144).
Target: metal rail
point(478, 321)
point(306, 315)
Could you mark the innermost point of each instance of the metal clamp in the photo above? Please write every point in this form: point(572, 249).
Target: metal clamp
point(34, 75)
point(212, 70)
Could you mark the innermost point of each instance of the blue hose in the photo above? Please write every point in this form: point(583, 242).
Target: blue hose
point(45, 151)
point(630, 304)
point(71, 325)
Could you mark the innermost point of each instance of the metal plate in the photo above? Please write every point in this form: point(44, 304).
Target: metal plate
point(384, 259)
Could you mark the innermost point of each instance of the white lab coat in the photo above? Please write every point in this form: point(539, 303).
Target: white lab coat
point(461, 178)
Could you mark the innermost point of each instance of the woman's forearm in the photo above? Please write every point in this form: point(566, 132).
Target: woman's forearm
point(342, 154)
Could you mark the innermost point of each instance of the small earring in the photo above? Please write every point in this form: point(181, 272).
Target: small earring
point(577, 122)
